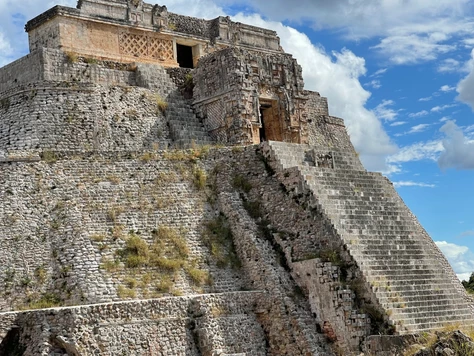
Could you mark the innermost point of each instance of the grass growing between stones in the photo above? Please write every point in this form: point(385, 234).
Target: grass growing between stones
point(47, 300)
point(153, 267)
point(218, 238)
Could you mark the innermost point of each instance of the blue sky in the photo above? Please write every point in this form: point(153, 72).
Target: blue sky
point(399, 72)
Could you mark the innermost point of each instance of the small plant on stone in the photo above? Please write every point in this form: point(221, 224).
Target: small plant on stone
point(172, 26)
point(41, 274)
point(199, 178)
point(198, 276)
point(165, 285)
point(47, 300)
point(147, 156)
point(126, 293)
point(242, 183)
point(49, 156)
point(161, 103)
point(136, 252)
point(109, 265)
point(217, 236)
point(114, 212)
point(89, 60)
point(71, 57)
point(98, 237)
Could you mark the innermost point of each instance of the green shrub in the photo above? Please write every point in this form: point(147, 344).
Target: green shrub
point(240, 182)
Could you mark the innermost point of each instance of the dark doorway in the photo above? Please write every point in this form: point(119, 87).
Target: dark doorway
point(270, 120)
point(262, 115)
point(185, 56)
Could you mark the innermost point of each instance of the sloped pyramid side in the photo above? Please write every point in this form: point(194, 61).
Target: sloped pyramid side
point(408, 274)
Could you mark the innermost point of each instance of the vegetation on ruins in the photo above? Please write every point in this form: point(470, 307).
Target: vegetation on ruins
point(217, 236)
point(469, 285)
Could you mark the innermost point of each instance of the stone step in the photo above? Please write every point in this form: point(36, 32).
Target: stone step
point(429, 326)
point(426, 317)
point(409, 298)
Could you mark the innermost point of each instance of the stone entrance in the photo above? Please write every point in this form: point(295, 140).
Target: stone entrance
point(185, 56)
point(270, 116)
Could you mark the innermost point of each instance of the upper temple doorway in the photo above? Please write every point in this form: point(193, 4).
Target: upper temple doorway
point(185, 56)
point(270, 119)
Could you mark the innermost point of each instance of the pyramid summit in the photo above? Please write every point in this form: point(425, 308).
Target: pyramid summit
point(169, 187)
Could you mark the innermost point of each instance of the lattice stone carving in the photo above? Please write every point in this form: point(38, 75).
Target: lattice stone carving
point(160, 49)
point(215, 115)
point(146, 46)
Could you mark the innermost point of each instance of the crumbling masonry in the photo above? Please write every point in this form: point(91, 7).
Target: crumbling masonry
point(168, 187)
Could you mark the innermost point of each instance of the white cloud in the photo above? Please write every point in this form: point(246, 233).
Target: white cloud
point(413, 48)
point(419, 114)
point(451, 250)
point(412, 184)
point(458, 150)
point(465, 87)
point(441, 108)
point(417, 152)
point(419, 128)
point(384, 112)
point(13, 16)
point(374, 84)
point(398, 123)
point(379, 72)
point(428, 98)
point(460, 258)
point(449, 65)
point(447, 88)
point(463, 276)
point(336, 76)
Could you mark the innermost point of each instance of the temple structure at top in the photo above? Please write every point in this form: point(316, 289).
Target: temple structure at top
point(246, 88)
point(131, 30)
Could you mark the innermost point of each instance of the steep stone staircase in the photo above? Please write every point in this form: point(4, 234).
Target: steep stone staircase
point(185, 127)
point(408, 274)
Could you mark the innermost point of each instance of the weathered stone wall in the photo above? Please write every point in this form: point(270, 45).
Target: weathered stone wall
point(25, 70)
point(65, 222)
point(325, 131)
point(232, 84)
point(54, 65)
point(196, 325)
point(74, 116)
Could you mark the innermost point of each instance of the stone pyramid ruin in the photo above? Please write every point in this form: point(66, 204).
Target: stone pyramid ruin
point(168, 187)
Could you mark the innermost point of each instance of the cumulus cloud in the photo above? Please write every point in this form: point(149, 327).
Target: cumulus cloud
point(418, 152)
point(465, 87)
point(460, 258)
point(337, 76)
point(413, 48)
point(458, 150)
point(367, 18)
